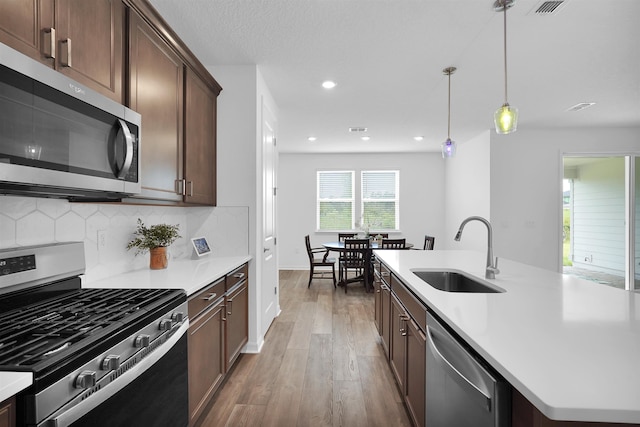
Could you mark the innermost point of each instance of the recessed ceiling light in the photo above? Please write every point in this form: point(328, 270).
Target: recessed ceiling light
point(418, 138)
point(328, 84)
point(365, 138)
point(311, 138)
point(581, 106)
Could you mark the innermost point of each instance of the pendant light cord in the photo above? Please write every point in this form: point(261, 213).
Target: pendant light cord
point(449, 111)
point(504, 5)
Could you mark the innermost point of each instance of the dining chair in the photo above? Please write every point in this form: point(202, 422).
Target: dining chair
point(341, 238)
point(394, 243)
point(429, 243)
point(357, 257)
point(323, 263)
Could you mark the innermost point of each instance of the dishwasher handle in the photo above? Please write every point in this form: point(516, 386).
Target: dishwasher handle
point(463, 381)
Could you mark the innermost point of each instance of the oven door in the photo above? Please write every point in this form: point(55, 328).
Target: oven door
point(152, 393)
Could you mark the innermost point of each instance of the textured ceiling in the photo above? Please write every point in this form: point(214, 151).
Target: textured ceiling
point(387, 57)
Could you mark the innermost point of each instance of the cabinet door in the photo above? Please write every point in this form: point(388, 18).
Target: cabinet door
point(23, 24)
point(8, 413)
point(416, 369)
point(237, 322)
point(398, 345)
point(199, 141)
point(206, 358)
point(377, 292)
point(156, 82)
point(385, 309)
point(90, 44)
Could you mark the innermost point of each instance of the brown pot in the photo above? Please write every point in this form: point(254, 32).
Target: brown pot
point(158, 259)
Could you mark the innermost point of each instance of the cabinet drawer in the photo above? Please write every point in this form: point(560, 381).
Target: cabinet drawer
point(416, 309)
point(237, 276)
point(385, 274)
point(206, 297)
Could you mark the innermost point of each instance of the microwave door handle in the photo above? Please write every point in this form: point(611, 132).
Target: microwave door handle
point(128, 158)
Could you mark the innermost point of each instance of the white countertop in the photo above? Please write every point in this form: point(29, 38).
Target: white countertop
point(190, 275)
point(11, 383)
point(570, 346)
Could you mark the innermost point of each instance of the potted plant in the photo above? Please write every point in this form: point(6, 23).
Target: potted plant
point(154, 239)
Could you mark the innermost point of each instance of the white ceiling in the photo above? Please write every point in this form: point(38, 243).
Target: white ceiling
point(387, 58)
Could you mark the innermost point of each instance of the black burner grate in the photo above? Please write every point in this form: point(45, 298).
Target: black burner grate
point(60, 326)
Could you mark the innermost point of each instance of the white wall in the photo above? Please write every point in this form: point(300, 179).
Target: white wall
point(421, 198)
point(239, 151)
point(468, 193)
point(526, 187)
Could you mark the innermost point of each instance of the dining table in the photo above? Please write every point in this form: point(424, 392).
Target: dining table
point(339, 247)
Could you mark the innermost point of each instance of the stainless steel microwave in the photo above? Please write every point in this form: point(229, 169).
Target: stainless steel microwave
point(61, 139)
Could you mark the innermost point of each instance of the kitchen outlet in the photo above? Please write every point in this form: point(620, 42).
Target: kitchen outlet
point(102, 239)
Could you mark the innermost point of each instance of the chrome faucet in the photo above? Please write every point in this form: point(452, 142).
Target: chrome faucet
point(492, 269)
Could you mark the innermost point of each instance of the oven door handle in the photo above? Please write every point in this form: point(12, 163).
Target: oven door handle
point(67, 416)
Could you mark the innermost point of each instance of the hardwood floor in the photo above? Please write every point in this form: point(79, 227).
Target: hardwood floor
point(322, 364)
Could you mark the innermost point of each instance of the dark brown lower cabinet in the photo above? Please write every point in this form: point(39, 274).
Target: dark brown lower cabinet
point(401, 315)
point(237, 306)
point(398, 347)
point(206, 357)
point(218, 331)
point(8, 413)
point(415, 380)
point(524, 414)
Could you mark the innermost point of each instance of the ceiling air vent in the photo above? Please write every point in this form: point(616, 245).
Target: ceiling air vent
point(581, 106)
point(357, 129)
point(549, 7)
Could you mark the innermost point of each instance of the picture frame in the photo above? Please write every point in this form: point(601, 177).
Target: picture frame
point(201, 246)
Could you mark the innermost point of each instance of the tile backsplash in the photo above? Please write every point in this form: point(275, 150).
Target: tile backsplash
point(28, 221)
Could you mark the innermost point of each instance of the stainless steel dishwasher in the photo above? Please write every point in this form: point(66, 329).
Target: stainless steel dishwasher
point(462, 391)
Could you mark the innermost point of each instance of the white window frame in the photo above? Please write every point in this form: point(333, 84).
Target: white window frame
point(395, 199)
point(351, 200)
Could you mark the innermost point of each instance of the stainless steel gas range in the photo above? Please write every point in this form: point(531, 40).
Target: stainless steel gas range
point(99, 357)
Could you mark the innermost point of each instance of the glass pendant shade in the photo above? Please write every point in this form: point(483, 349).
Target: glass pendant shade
point(506, 119)
point(448, 148)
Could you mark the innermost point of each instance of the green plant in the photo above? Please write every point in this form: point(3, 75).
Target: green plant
point(153, 237)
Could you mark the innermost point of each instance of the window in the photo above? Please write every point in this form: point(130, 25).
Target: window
point(380, 200)
point(335, 200)
point(377, 204)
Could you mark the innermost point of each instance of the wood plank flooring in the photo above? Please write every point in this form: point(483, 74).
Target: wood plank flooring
point(322, 364)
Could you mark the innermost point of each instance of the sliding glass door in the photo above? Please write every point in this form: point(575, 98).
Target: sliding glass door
point(601, 212)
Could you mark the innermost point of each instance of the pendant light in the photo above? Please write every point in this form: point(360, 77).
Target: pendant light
point(449, 146)
point(505, 117)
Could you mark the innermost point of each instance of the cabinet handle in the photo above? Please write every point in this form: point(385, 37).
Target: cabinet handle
point(65, 54)
point(180, 185)
point(230, 307)
point(190, 192)
point(403, 322)
point(49, 43)
point(211, 296)
point(239, 275)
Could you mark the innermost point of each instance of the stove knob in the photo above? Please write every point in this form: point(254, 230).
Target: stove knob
point(142, 340)
point(177, 317)
point(85, 379)
point(111, 362)
point(166, 324)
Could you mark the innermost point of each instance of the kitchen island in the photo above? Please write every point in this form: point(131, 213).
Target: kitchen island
point(569, 346)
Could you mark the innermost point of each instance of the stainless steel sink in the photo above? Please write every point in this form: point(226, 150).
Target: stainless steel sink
point(452, 281)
